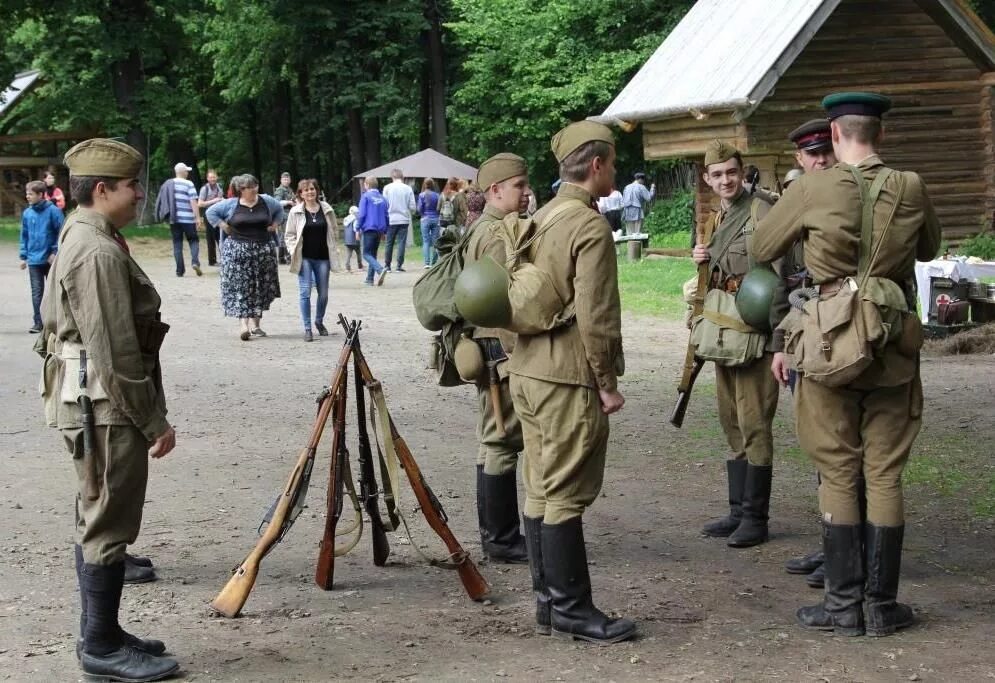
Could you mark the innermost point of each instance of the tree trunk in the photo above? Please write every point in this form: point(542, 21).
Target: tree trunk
point(252, 128)
point(438, 71)
point(371, 135)
point(425, 108)
point(126, 80)
point(357, 150)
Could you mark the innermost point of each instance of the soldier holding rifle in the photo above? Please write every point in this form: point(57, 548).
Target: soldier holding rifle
point(103, 390)
point(504, 180)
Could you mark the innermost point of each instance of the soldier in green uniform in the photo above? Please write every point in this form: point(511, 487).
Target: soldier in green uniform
point(504, 180)
point(866, 426)
point(103, 390)
point(814, 152)
point(747, 394)
point(564, 384)
point(284, 194)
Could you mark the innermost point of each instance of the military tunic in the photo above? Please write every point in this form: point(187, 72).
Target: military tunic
point(747, 394)
point(556, 375)
point(498, 454)
point(868, 426)
point(101, 300)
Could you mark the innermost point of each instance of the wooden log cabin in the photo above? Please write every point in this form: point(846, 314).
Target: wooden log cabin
point(750, 71)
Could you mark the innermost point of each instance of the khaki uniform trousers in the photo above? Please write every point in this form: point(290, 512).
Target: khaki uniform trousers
point(566, 438)
point(847, 432)
point(107, 525)
point(747, 403)
point(498, 454)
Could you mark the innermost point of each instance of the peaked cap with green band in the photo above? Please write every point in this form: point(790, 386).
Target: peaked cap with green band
point(719, 151)
point(855, 104)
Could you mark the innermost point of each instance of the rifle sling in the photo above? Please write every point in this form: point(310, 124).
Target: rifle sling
point(357, 524)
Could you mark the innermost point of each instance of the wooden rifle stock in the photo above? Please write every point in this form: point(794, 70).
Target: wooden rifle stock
point(368, 491)
point(324, 574)
point(232, 598)
point(693, 364)
point(474, 583)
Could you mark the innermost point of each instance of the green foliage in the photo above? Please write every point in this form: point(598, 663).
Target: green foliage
point(982, 246)
point(670, 215)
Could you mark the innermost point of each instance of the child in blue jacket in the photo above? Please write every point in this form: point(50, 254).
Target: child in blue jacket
point(41, 222)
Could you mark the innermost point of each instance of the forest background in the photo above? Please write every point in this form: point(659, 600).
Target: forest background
point(327, 89)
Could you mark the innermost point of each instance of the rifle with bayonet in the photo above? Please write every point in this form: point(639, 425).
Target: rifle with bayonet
point(473, 582)
point(693, 364)
point(232, 597)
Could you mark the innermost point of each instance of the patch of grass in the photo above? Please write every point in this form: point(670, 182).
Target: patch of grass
point(653, 286)
point(672, 240)
point(948, 465)
point(10, 230)
point(156, 232)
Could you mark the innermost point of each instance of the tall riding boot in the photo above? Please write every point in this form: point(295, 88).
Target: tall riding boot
point(752, 529)
point(505, 543)
point(842, 610)
point(533, 541)
point(148, 645)
point(720, 528)
point(106, 650)
point(485, 537)
point(573, 614)
point(885, 615)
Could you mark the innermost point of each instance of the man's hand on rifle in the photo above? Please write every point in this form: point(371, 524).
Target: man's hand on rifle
point(700, 254)
point(611, 401)
point(163, 444)
point(779, 368)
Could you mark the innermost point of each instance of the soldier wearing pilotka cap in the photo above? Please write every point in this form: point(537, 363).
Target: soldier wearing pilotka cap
point(504, 179)
point(103, 391)
point(564, 384)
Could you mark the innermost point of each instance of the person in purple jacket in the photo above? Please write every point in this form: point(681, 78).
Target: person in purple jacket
point(372, 223)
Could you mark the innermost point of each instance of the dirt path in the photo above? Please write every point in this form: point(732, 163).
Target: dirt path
point(242, 412)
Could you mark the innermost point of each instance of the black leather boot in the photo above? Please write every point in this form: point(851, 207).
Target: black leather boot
point(505, 542)
point(752, 529)
point(806, 564)
point(533, 541)
point(137, 559)
point(842, 609)
point(106, 652)
point(736, 474)
point(817, 579)
point(885, 614)
point(573, 614)
point(136, 572)
point(147, 645)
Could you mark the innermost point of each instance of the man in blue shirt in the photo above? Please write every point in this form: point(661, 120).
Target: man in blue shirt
point(41, 222)
point(635, 199)
point(372, 222)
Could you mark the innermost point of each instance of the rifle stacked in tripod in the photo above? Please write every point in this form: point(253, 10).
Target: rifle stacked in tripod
point(394, 455)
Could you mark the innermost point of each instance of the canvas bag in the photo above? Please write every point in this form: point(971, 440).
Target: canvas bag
point(838, 337)
point(720, 334)
point(448, 212)
point(536, 307)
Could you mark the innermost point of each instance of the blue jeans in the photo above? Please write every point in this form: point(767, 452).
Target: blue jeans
point(179, 231)
point(429, 233)
point(314, 273)
point(371, 242)
point(37, 275)
point(397, 232)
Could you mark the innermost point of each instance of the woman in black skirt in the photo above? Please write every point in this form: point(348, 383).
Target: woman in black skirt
point(250, 279)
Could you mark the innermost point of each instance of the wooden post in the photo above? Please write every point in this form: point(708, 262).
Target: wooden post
point(635, 250)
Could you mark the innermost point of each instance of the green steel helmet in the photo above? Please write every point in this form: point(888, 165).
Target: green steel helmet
point(481, 293)
point(755, 296)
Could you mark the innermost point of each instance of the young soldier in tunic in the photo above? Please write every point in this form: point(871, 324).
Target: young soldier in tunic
point(747, 394)
point(504, 180)
point(564, 384)
point(814, 152)
point(867, 426)
point(109, 407)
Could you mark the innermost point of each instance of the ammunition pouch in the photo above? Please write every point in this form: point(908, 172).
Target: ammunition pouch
point(151, 332)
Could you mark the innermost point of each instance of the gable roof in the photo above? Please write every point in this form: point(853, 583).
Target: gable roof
point(727, 55)
point(22, 83)
point(427, 163)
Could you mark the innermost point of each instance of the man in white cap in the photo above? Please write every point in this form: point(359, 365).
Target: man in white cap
point(178, 205)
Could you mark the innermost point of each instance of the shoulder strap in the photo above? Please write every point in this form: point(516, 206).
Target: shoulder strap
point(549, 220)
point(868, 198)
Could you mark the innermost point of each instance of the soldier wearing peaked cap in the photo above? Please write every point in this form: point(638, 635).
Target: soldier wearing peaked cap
point(863, 226)
point(103, 391)
point(746, 390)
point(503, 179)
point(814, 152)
point(569, 376)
